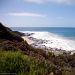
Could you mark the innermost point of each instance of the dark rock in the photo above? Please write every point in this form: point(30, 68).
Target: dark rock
point(28, 34)
point(19, 33)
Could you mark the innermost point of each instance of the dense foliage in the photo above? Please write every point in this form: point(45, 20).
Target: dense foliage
point(15, 62)
point(19, 58)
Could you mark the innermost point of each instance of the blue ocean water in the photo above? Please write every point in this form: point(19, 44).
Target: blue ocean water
point(56, 37)
point(68, 32)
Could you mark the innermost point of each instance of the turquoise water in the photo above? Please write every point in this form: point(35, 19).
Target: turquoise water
point(68, 32)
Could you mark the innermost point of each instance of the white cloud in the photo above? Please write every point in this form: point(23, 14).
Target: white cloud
point(26, 14)
point(59, 17)
point(55, 1)
point(35, 1)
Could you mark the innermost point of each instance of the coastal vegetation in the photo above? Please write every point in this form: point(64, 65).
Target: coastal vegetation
point(17, 57)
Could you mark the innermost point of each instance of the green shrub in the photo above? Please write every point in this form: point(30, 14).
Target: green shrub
point(13, 62)
point(16, 62)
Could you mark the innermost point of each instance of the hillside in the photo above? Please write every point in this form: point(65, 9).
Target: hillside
point(8, 34)
point(19, 58)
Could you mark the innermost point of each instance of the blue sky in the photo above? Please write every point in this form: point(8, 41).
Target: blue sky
point(37, 13)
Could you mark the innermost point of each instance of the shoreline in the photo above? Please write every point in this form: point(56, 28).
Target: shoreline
point(47, 49)
point(42, 44)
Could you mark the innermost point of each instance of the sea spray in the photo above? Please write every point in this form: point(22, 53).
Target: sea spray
point(52, 40)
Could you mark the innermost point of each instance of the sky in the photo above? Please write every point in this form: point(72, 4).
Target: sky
point(37, 13)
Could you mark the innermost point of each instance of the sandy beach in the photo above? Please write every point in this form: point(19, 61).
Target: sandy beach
point(28, 40)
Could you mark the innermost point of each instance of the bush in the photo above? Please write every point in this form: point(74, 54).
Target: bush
point(16, 62)
point(13, 62)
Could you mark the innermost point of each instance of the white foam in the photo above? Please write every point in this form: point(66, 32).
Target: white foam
point(54, 41)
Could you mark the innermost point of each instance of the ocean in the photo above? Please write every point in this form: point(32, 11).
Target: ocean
point(57, 37)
